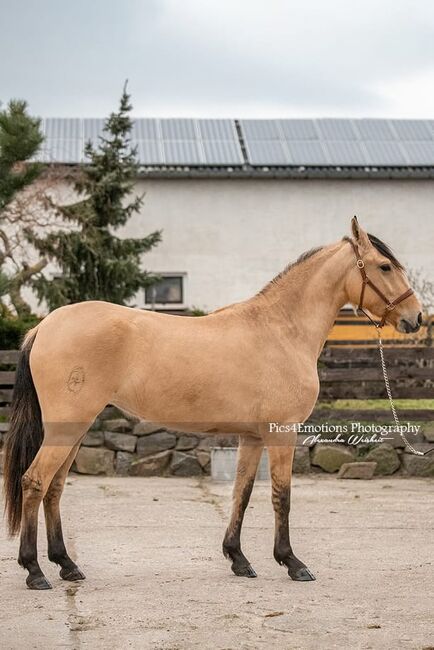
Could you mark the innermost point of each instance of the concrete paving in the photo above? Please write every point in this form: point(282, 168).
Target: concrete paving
point(156, 577)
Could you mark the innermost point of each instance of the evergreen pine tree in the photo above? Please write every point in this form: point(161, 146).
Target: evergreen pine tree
point(20, 139)
point(94, 263)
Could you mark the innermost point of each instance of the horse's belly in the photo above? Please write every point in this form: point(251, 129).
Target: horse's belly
point(234, 401)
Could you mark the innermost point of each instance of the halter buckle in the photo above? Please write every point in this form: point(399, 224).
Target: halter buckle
point(360, 264)
point(391, 306)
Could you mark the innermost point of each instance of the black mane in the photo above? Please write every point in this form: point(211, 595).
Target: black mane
point(377, 243)
point(385, 250)
point(302, 258)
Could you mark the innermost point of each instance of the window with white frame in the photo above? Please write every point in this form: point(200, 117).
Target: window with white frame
point(167, 292)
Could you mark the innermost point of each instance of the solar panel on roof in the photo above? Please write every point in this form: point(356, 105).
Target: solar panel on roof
point(217, 130)
point(145, 129)
point(307, 153)
point(299, 129)
point(420, 153)
point(260, 129)
point(178, 129)
point(383, 152)
point(67, 128)
point(322, 142)
point(182, 152)
point(150, 152)
point(374, 129)
point(61, 150)
point(92, 128)
point(222, 152)
point(345, 153)
point(267, 152)
point(412, 129)
point(336, 129)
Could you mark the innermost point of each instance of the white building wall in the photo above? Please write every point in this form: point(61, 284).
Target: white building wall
point(232, 236)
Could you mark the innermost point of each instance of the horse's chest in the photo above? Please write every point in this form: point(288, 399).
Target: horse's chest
point(292, 393)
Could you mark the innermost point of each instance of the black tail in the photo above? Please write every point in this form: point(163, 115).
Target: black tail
point(23, 438)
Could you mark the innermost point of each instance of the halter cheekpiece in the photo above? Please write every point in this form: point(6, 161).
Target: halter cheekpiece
point(390, 304)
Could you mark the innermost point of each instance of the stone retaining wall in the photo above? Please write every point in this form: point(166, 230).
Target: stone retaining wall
point(384, 459)
point(117, 444)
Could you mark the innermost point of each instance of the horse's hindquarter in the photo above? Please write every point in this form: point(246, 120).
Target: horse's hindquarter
point(78, 359)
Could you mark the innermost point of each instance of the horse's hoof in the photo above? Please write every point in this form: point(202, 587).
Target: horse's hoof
point(72, 575)
point(301, 575)
point(245, 571)
point(40, 582)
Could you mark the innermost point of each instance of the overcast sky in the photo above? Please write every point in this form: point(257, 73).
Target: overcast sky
point(220, 58)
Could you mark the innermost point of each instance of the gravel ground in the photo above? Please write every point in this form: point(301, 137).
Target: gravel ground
point(156, 577)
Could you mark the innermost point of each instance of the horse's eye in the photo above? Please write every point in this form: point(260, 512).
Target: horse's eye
point(385, 267)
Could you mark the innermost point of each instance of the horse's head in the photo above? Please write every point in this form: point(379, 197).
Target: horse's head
point(387, 294)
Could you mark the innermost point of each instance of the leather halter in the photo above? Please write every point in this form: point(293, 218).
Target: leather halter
point(390, 304)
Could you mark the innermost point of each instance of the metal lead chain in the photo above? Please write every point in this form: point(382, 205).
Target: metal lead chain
point(392, 405)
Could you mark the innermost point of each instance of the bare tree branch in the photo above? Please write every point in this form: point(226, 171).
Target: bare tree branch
point(31, 209)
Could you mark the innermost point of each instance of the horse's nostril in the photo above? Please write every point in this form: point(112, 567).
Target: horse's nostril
point(409, 326)
point(419, 318)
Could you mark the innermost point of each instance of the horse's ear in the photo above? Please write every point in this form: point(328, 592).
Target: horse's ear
point(360, 235)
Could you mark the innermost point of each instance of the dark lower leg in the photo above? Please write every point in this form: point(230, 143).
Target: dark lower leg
point(281, 468)
point(57, 552)
point(249, 454)
point(35, 484)
point(28, 553)
point(56, 546)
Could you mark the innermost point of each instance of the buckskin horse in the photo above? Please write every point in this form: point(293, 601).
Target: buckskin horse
point(234, 370)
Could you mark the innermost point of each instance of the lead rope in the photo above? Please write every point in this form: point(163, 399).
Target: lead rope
point(392, 404)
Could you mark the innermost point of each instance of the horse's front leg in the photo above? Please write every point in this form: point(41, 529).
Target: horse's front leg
point(280, 458)
point(249, 455)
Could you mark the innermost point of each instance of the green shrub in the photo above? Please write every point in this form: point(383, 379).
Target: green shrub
point(196, 311)
point(12, 331)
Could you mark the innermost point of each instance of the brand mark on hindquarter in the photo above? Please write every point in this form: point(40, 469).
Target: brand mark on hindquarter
point(76, 379)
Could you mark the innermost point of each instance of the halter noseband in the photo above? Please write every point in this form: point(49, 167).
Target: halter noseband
point(390, 304)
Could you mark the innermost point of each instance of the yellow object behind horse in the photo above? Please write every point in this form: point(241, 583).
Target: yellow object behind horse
point(349, 328)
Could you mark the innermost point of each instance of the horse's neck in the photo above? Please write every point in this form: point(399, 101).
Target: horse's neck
point(306, 300)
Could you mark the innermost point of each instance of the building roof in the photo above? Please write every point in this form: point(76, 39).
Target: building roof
point(268, 148)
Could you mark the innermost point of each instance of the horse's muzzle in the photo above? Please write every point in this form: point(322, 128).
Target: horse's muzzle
point(408, 326)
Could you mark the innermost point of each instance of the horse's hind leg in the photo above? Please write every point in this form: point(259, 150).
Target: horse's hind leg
point(56, 546)
point(35, 484)
point(249, 454)
point(281, 457)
